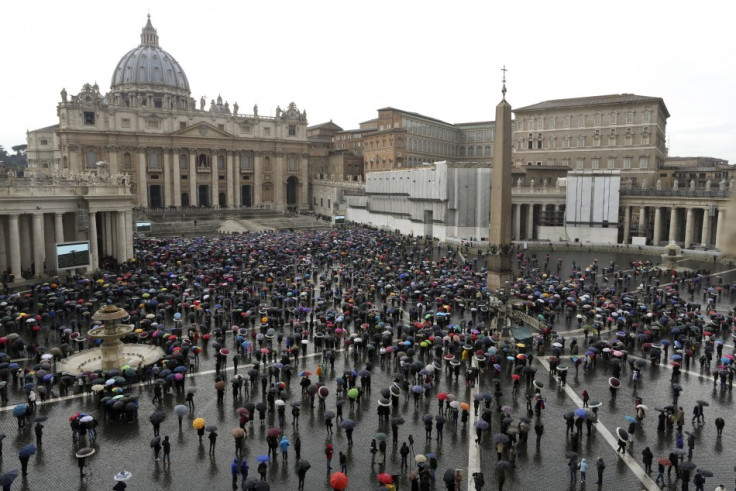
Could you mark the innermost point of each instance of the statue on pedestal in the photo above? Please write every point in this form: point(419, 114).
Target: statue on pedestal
point(692, 184)
point(708, 185)
point(659, 184)
point(675, 185)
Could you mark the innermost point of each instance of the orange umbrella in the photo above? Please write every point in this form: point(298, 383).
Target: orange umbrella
point(464, 406)
point(198, 423)
point(338, 480)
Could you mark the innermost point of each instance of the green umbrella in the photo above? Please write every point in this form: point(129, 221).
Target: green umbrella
point(353, 393)
point(380, 436)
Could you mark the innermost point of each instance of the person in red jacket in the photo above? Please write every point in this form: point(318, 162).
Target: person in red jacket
point(328, 454)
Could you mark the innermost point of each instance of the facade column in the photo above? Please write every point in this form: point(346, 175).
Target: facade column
point(657, 235)
point(689, 228)
point(141, 179)
point(279, 185)
point(627, 223)
point(108, 234)
point(14, 238)
point(39, 251)
point(229, 180)
point(215, 171)
point(517, 222)
point(120, 235)
point(237, 162)
point(59, 227)
point(673, 225)
point(529, 222)
point(176, 173)
point(193, 201)
point(257, 179)
point(167, 201)
point(641, 230)
point(94, 251)
point(721, 229)
point(705, 236)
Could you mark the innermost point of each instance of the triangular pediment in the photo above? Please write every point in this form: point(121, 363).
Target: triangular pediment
point(202, 130)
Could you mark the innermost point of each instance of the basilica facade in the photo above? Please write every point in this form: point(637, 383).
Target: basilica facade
point(173, 150)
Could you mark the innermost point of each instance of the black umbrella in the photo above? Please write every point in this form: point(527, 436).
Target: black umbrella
point(254, 484)
point(347, 424)
point(688, 466)
point(427, 418)
point(449, 476)
point(304, 465)
point(210, 428)
point(27, 451)
point(701, 402)
point(40, 419)
point(440, 419)
point(571, 455)
point(503, 465)
point(622, 434)
point(7, 478)
point(329, 414)
point(397, 421)
point(500, 438)
point(569, 415)
point(679, 451)
point(705, 473)
point(157, 417)
point(155, 441)
point(481, 425)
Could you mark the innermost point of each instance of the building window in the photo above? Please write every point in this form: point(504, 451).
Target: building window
point(221, 127)
point(581, 141)
point(125, 123)
point(580, 163)
point(183, 162)
point(629, 140)
point(220, 162)
point(596, 141)
point(540, 123)
point(568, 120)
point(566, 162)
point(91, 158)
point(153, 161)
point(267, 131)
point(613, 119)
point(89, 118)
point(645, 139)
point(245, 162)
point(611, 162)
point(595, 163)
point(566, 142)
point(597, 119)
point(643, 162)
point(630, 117)
point(182, 125)
point(292, 130)
point(267, 164)
point(487, 151)
point(44, 141)
point(581, 121)
point(292, 164)
point(551, 123)
point(152, 123)
point(627, 162)
point(539, 144)
point(553, 142)
point(612, 140)
point(127, 161)
point(647, 117)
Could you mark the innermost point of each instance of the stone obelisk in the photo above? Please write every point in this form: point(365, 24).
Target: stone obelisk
point(499, 264)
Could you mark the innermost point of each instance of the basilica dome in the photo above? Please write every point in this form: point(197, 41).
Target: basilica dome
point(150, 68)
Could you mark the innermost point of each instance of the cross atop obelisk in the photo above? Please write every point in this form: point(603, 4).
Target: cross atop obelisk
point(503, 87)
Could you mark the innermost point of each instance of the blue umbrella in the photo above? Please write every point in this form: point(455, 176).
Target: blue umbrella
point(481, 425)
point(416, 389)
point(7, 478)
point(630, 419)
point(180, 369)
point(676, 357)
point(20, 410)
point(29, 386)
point(581, 413)
point(27, 451)
point(347, 424)
point(263, 458)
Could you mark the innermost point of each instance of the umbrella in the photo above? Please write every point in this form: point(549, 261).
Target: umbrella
point(380, 436)
point(181, 410)
point(688, 466)
point(396, 421)
point(210, 428)
point(630, 419)
point(385, 477)
point(705, 473)
point(581, 413)
point(304, 465)
point(255, 484)
point(419, 458)
point(237, 432)
point(664, 461)
point(347, 424)
point(7, 478)
point(622, 434)
point(538, 384)
point(481, 425)
point(427, 418)
point(500, 438)
point(614, 382)
point(157, 417)
point(40, 419)
point(27, 451)
point(123, 476)
point(449, 476)
point(20, 410)
point(701, 402)
point(569, 415)
point(263, 458)
point(595, 404)
point(198, 423)
point(273, 432)
point(329, 414)
point(503, 465)
point(507, 409)
point(338, 480)
point(85, 452)
point(571, 455)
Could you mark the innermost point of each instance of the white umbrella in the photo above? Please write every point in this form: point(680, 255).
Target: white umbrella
point(123, 476)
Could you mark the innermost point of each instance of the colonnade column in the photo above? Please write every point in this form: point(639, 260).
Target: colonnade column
point(673, 225)
point(14, 238)
point(129, 234)
point(39, 250)
point(193, 201)
point(529, 222)
point(705, 236)
point(59, 227)
point(642, 228)
point(121, 252)
point(176, 172)
point(720, 229)
point(517, 222)
point(657, 235)
point(689, 228)
point(257, 180)
point(229, 180)
point(141, 180)
point(94, 252)
point(214, 172)
point(627, 223)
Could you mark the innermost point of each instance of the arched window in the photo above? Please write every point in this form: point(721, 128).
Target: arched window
point(127, 161)
point(91, 158)
point(182, 162)
point(245, 162)
point(471, 151)
point(220, 162)
point(292, 164)
point(267, 164)
point(154, 161)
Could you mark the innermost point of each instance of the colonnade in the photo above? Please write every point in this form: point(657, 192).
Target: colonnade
point(525, 216)
point(687, 225)
point(28, 239)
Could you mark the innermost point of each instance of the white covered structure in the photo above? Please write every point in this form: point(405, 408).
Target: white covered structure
point(446, 201)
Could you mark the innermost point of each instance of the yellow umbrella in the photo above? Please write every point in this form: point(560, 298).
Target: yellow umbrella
point(198, 423)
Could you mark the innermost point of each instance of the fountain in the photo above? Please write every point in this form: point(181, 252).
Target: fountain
point(113, 353)
point(672, 255)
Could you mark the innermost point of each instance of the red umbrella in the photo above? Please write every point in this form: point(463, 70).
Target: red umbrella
point(273, 432)
point(385, 478)
point(442, 396)
point(516, 376)
point(338, 480)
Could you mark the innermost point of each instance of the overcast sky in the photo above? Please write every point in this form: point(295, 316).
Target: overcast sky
point(342, 59)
